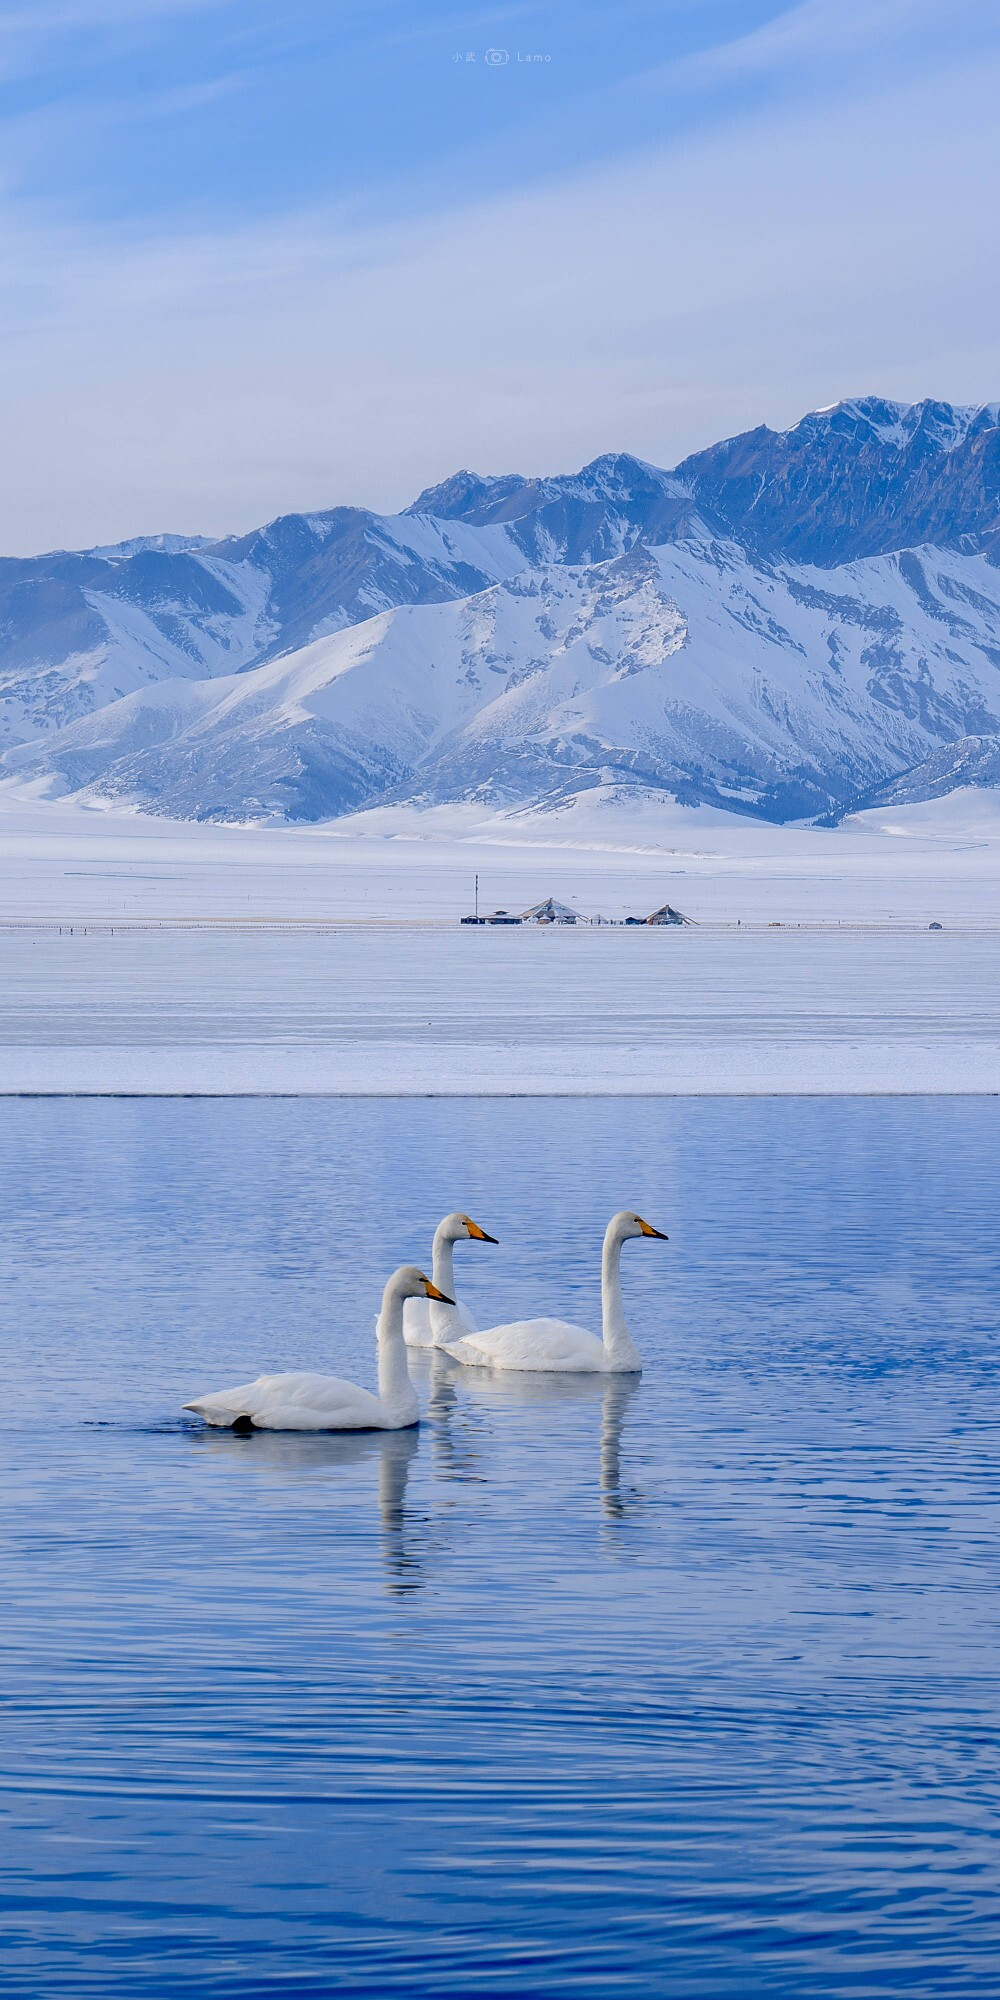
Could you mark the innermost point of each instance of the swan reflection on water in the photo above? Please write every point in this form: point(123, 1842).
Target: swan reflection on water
point(308, 1455)
point(396, 1451)
point(456, 1401)
point(618, 1393)
point(451, 1387)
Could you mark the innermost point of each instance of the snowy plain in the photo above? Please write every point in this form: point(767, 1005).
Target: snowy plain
point(140, 955)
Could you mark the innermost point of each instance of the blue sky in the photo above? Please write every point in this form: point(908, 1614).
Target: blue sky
point(185, 112)
point(265, 256)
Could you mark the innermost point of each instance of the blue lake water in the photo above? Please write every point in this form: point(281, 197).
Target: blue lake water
point(685, 1688)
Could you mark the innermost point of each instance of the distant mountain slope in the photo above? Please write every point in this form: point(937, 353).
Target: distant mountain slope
point(807, 615)
point(78, 631)
point(861, 479)
point(970, 762)
point(784, 690)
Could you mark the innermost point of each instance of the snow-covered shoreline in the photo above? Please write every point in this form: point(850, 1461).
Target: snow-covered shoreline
point(209, 960)
point(909, 865)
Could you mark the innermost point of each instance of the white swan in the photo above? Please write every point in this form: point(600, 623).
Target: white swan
point(302, 1402)
point(427, 1325)
point(554, 1345)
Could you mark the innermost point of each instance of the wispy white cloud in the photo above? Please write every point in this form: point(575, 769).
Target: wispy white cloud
point(816, 47)
point(824, 28)
point(819, 246)
point(32, 38)
point(209, 381)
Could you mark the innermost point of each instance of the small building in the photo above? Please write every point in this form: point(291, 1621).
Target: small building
point(498, 917)
point(549, 912)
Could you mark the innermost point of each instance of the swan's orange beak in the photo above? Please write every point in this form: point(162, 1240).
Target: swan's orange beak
point(479, 1235)
point(648, 1230)
point(433, 1293)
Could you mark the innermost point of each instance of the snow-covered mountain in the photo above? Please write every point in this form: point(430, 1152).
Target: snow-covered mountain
point(79, 631)
point(971, 762)
point(784, 625)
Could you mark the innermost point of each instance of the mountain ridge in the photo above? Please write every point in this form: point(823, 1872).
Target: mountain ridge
point(822, 605)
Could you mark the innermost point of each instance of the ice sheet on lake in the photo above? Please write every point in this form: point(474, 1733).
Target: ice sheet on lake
point(603, 1011)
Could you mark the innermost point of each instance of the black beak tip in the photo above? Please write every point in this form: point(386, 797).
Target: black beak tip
point(490, 1239)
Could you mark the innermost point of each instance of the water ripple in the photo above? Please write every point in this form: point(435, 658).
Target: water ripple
point(683, 1686)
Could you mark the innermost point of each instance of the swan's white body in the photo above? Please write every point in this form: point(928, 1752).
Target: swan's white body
point(556, 1346)
point(429, 1322)
point(303, 1402)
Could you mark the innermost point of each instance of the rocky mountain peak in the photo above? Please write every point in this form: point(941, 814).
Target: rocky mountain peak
point(786, 624)
point(467, 496)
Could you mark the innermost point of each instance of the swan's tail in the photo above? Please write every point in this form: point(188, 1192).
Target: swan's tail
point(222, 1409)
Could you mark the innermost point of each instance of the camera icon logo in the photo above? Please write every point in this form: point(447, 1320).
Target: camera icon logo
point(496, 57)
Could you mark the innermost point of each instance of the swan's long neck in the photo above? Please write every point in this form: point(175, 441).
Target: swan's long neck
point(394, 1386)
point(443, 1267)
point(618, 1343)
point(446, 1321)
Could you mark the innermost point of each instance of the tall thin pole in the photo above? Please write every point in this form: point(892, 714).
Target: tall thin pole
point(477, 895)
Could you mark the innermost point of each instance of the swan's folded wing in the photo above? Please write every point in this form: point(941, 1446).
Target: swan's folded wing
point(223, 1406)
point(297, 1401)
point(538, 1344)
point(318, 1402)
point(463, 1350)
